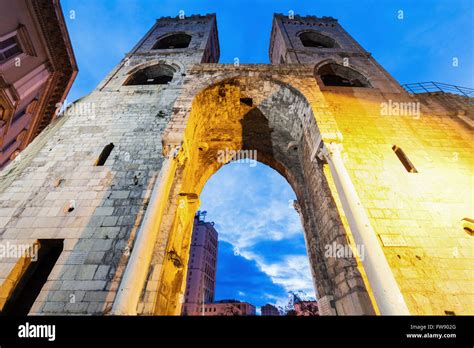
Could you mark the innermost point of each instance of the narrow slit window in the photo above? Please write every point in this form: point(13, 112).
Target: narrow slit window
point(468, 226)
point(104, 154)
point(33, 279)
point(404, 159)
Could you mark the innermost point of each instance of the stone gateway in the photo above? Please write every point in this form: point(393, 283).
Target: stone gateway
point(121, 187)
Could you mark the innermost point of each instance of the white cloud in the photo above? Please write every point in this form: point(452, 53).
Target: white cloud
point(252, 205)
point(292, 273)
point(248, 209)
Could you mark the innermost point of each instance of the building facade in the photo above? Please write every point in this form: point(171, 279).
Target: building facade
point(306, 308)
point(201, 276)
point(112, 199)
point(269, 310)
point(227, 308)
point(37, 68)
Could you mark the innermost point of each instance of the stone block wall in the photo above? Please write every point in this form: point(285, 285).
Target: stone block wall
point(416, 216)
point(109, 200)
point(54, 190)
point(286, 45)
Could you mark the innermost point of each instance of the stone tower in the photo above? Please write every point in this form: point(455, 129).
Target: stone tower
point(319, 41)
point(107, 194)
point(175, 42)
point(90, 192)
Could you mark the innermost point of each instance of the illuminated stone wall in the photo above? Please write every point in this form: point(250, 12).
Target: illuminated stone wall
point(397, 202)
point(57, 171)
point(416, 216)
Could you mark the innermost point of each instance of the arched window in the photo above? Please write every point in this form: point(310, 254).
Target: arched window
point(159, 74)
point(179, 40)
point(337, 75)
point(315, 39)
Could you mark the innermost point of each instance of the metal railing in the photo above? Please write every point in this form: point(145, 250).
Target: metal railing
point(436, 87)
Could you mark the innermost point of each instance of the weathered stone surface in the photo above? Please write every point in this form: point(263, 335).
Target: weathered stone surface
point(202, 110)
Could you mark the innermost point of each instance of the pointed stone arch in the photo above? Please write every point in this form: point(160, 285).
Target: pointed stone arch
point(275, 119)
point(158, 74)
point(313, 38)
point(175, 40)
point(332, 73)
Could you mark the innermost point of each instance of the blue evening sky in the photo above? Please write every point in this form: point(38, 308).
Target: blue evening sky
point(261, 250)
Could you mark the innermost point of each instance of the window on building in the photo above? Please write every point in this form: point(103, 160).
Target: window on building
point(338, 75)
point(318, 40)
point(160, 74)
point(104, 154)
point(9, 48)
point(179, 40)
point(404, 159)
point(34, 278)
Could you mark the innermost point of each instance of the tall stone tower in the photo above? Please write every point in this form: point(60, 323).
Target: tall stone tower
point(323, 43)
point(90, 190)
point(104, 199)
point(173, 44)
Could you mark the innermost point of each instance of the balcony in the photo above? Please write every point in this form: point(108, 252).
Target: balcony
point(438, 87)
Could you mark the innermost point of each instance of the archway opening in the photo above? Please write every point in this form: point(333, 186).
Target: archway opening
point(248, 248)
point(317, 40)
point(272, 123)
point(159, 74)
point(179, 40)
point(338, 75)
